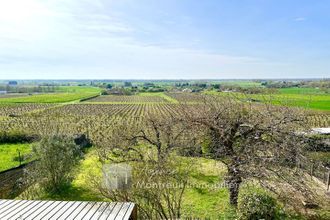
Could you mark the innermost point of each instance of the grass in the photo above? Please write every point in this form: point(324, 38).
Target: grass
point(324, 157)
point(199, 200)
point(81, 188)
point(297, 90)
point(9, 155)
point(49, 98)
point(204, 197)
point(62, 94)
point(287, 97)
point(207, 199)
point(76, 89)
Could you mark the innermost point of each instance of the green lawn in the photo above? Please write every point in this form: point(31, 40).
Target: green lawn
point(207, 197)
point(9, 155)
point(200, 199)
point(50, 98)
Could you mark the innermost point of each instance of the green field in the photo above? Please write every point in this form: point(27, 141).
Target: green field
point(49, 98)
point(9, 155)
point(76, 89)
point(303, 91)
point(62, 94)
point(300, 97)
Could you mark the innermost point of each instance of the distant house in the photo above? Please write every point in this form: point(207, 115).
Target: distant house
point(321, 131)
point(3, 92)
point(12, 83)
point(186, 90)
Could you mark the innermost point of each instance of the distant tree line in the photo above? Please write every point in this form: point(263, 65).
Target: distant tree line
point(29, 89)
point(322, 84)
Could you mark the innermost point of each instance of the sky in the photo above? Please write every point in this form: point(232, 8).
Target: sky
point(164, 39)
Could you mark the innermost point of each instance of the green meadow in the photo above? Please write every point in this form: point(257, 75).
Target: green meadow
point(49, 98)
point(9, 155)
point(308, 98)
point(63, 94)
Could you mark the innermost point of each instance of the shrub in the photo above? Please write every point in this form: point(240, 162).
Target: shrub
point(57, 156)
point(256, 205)
point(13, 137)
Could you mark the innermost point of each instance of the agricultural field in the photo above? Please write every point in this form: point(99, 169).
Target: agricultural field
point(96, 117)
point(13, 95)
point(319, 120)
point(77, 89)
point(13, 110)
point(49, 98)
point(9, 155)
point(92, 119)
point(126, 99)
point(303, 91)
point(61, 94)
point(291, 97)
point(140, 98)
point(183, 97)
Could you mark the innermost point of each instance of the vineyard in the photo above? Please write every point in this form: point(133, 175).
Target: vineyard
point(96, 118)
point(127, 99)
point(94, 115)
point(319, 120)
point(20, 109)
point(186, 97)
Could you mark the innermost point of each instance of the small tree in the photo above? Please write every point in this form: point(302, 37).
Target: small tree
point(249, 139)
point(56, 156)
point(160, 176)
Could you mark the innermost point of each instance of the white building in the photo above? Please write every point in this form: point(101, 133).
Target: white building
point(321, 130)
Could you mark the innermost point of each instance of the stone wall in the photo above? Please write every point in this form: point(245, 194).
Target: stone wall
point(11, 182)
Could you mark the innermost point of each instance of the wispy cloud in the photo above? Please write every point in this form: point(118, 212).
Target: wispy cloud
point(300, 19)
point(101, 39)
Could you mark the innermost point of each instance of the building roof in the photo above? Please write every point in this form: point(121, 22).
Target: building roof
point(33, 209)
point(321, 130)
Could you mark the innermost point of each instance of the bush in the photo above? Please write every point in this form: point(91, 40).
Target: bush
point(13, 137)
point(256, 205)
point(57, 156)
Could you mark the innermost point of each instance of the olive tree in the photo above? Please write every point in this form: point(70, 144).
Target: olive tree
point(56, 156)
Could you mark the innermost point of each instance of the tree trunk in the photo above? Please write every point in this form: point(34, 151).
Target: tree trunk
point(234, 180)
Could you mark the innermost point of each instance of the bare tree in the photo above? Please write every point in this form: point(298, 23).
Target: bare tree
point(160, 176)
point(250, 139)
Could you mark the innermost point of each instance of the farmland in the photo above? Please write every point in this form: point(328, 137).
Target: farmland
point(294, 97)
point(113, 99)
point(48, 98)
point(64, 113)
point(62, 94)
point(13, 109)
